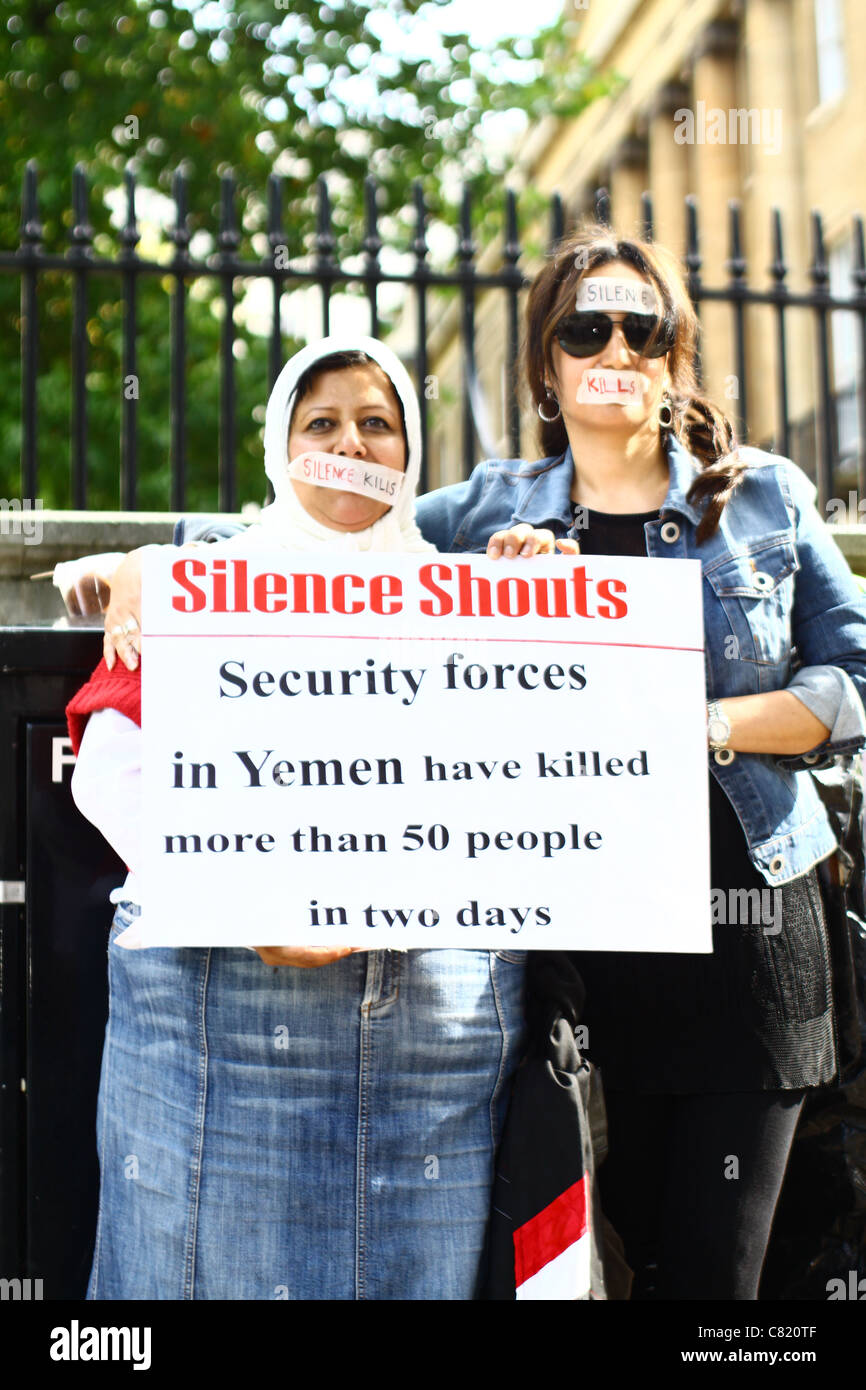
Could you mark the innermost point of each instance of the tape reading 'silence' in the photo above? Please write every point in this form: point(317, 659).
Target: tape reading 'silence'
point(599, 292)
point(601, 386)
point(372, 480)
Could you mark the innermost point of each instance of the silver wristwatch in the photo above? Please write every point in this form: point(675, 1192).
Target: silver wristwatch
point(718, 726)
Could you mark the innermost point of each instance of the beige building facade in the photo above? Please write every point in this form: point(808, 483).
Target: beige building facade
point(756, 101)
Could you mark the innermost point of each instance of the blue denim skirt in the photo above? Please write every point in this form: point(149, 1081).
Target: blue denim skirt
point(276, 1133)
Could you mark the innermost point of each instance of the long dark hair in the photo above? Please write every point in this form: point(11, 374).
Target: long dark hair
point(698, 424)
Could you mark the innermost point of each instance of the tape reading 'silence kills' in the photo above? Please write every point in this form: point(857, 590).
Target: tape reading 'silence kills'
point(601, 386)
point(600, 292)
point(372, 480)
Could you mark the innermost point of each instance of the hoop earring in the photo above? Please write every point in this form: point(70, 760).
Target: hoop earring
point(549, 419)
point(665, 413)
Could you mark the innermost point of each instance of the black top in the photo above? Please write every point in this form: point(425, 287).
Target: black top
point(754, 1015)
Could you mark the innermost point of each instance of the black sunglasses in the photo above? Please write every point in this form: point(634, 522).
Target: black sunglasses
point(584, 334)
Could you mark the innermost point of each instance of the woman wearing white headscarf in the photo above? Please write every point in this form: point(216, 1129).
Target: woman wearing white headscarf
point(295, 1133)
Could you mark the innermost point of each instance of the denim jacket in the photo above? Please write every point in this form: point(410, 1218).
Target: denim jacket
point(779, 599)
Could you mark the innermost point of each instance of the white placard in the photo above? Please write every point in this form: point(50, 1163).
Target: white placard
point(411, 751)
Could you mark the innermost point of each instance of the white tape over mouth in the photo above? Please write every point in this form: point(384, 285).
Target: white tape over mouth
point(600, 292)
point(371, 480)
point(602, 386)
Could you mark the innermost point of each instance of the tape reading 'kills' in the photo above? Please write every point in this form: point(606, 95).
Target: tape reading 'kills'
point(601, 386)
point(372, 480)
point(600, 292)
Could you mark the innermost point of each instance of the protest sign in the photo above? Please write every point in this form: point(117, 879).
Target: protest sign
point(424, 751)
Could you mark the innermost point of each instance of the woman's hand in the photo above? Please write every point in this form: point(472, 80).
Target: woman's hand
point(524, 539)
point(85, 584)
point(88, 597)
point(123, 615)
point(305, 957)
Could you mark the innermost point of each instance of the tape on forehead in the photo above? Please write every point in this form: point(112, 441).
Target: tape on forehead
point(602, 386)
point(602, 292)
point(371, 480)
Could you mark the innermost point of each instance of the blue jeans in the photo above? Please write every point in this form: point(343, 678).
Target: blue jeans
point(270, 1133)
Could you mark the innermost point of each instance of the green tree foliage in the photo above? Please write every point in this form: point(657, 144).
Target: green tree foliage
point(246, 86)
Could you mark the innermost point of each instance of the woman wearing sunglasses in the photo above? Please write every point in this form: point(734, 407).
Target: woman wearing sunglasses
point(705, 1058)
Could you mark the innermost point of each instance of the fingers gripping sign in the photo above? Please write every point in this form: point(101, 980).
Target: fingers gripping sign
point(123, 615)
point(520, 540)
point(525, 540)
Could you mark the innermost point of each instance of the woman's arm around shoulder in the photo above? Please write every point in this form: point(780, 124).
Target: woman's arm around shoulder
point(440, 513)
point(828, 622)
point(462, 516)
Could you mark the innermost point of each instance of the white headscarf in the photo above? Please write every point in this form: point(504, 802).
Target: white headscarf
point(285, 522)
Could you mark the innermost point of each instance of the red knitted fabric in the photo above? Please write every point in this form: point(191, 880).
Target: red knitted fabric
point(119, 689)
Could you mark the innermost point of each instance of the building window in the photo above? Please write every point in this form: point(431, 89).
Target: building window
point(830, 49)
point(843, 328)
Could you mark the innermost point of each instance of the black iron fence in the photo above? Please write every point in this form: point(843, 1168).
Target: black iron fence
point(814, 435)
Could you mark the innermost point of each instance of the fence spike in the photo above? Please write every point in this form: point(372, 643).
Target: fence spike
point(180, 236)
point(276, 231)
point(419, 242)
point(511, 254)
point(647, 224)
point(466, 246)
point(736, 261)
point(180, 233)
point(819, 272)
point(372, 240)
point(372, 248)
point(557, 220)
point(81, 233)
point(129, 235)
point(511, 248)
point(778, 270)
point(421, 272)
point(693, 254)
point(325, 244)
point(325, 240)
point(778, 267)
point(228, 237)
point(858, 274)
point(31, 227)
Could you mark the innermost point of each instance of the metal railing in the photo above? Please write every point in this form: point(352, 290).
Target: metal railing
point(30, 261)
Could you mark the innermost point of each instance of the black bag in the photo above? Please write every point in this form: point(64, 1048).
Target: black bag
point(819, 1231)
point(548, 1238)
point(843, 886)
